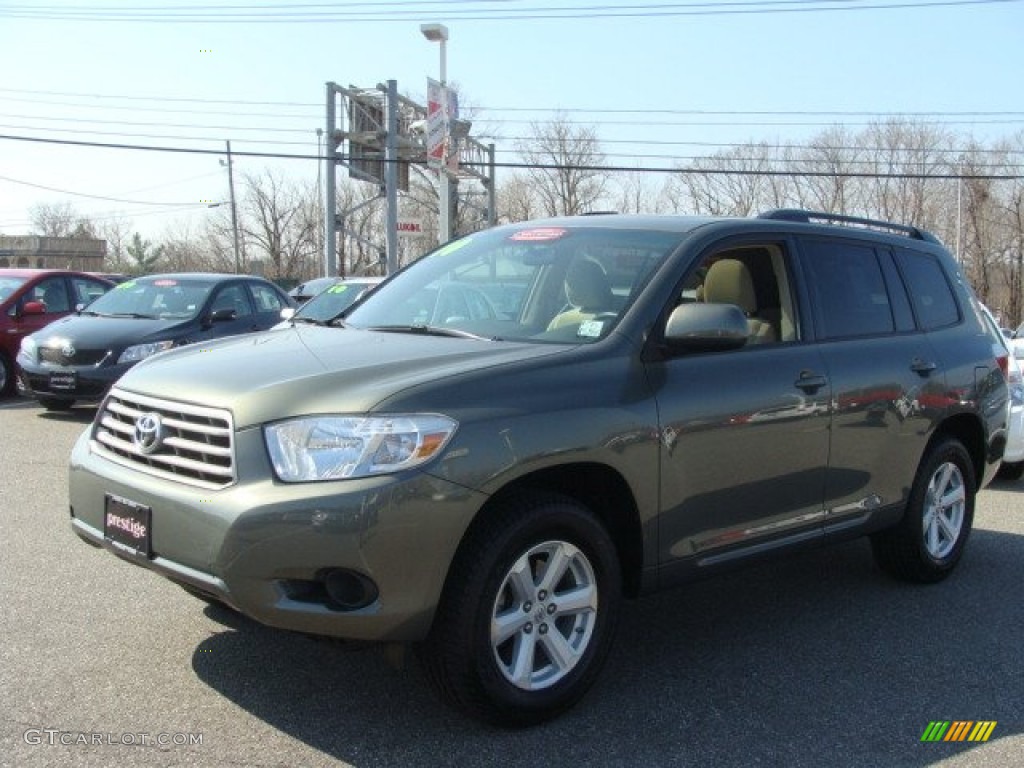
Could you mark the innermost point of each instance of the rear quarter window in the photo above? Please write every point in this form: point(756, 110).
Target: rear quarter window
point(930, 291)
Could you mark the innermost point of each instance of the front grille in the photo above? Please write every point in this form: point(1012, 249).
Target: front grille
point(80, 357)
point(195, 444)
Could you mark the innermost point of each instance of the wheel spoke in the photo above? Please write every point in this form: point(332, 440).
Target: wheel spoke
point(562, 655)
point(948, 526)
point(520, 580)
point(507, 624)
point(557, 565)
point(931, 532)
point(522, 660)
point(942, 478)
point(575, 600)
point(954, 497)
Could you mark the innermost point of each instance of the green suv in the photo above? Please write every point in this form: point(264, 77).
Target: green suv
point(490, 451)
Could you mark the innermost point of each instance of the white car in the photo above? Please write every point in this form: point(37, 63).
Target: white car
point(1013, 457)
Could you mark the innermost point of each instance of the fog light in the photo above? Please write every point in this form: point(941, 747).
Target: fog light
point(349, 590)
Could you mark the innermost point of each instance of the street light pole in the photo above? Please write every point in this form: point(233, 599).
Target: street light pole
point(438, 33)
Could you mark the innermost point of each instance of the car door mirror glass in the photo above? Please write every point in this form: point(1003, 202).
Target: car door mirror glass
point(706, 327)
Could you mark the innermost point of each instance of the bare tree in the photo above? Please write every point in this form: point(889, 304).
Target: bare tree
point(117, 232)
point(566, 166)
point(516, 199)
point(60, 220)
point(277, 230)
point(733, 182)
point(636, 192)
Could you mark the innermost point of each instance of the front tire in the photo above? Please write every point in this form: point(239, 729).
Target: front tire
point(6, 376)
point(528, 613)
point(926, 545)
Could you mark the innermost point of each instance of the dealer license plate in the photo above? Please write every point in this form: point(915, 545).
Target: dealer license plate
point(128, 524)
point(63, 381)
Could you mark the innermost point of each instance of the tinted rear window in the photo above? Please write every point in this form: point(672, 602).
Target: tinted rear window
point(848, 289)
point(929, 289)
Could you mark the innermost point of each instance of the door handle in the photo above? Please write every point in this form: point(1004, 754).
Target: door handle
point(923, 367)
point(810, 382)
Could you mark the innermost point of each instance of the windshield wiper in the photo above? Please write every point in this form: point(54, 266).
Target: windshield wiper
point(429, 330)
point(133, 315)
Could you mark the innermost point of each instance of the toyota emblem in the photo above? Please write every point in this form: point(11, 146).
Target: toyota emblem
point(68, 350)
point(149, 432)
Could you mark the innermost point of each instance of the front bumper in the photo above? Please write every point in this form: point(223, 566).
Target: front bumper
point(91, 383)
point(262, 546)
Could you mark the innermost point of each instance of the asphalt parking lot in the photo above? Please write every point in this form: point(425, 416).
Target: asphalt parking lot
point(816, 660)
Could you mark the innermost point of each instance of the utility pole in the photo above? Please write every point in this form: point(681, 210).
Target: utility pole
point(331, 218)
point(234, 211)
point(391, 176)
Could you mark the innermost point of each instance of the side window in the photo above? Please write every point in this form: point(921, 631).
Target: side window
point(847, 289)
point(929, 290)
point(266, 300)
point(86, 290)
point(53, 293)
point(756, 279)
point(233, 297)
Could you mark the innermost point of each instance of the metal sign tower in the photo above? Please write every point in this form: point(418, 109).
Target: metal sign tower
point(378, 135)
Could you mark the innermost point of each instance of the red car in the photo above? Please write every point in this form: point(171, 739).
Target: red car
point(32, 298)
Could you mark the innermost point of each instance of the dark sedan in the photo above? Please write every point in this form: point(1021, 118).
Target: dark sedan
point(79, 357)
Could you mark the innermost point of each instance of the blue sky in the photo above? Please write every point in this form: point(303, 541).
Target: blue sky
point(166, 83)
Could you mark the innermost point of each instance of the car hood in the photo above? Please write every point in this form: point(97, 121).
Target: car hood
point(308, 369)
point(97, 332)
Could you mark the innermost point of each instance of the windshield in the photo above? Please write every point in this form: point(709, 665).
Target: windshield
point(328, 304)
point(527, 283)
point(9, 285)
point(163, 298)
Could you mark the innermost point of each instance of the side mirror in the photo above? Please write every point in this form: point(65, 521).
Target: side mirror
point(222, 315)
point(701, 327)
point(33, 308)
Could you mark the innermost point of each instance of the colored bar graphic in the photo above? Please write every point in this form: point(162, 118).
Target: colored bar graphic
point(982, 730)
point(959, 730)
point(935, 731)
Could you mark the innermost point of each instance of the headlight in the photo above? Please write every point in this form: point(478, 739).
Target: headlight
point(142, 351)
point(28, 347)
point(335, 447)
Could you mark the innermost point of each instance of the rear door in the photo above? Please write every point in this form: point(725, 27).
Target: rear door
point(887, 383)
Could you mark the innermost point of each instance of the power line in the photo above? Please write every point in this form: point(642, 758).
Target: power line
point(554, 166)
point(94, 197)
point(380, 12)
point(484, 108)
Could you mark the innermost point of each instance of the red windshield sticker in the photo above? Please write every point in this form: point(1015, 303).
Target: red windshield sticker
point(165, 283)
point(538, 235)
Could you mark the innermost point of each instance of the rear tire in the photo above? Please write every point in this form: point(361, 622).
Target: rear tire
point(1012, 471)
point(514, 642)
point(926, 545)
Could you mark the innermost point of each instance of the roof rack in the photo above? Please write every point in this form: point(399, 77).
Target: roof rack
point(815, 217)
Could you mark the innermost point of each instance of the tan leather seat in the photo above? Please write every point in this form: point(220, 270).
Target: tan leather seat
point(588, 292)
point(729, 282)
